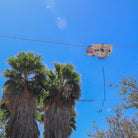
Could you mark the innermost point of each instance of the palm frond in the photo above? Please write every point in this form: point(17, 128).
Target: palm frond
point(63, 84)
point(26, 70)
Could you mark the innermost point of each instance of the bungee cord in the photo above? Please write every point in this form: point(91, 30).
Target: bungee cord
point(104, 83)
point(104, 87)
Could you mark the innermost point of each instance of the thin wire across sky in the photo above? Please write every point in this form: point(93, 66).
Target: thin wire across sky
point(56, 42)
point(42, 41)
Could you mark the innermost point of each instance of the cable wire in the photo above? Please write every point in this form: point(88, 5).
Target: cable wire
point(43, 41)
point(104, 88)
point(58, 42)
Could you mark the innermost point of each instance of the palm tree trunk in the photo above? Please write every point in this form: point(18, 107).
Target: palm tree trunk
point(22, 122)
point(57, 121)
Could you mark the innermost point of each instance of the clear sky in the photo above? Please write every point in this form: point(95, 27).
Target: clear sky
point(85, 22)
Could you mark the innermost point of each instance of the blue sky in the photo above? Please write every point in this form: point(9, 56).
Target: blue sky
point(81, 21)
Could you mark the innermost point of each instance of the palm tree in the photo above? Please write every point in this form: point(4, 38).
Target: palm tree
point(24, 84)
point(62, 89)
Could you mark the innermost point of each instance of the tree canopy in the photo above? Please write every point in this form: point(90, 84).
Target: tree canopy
point(119, 125)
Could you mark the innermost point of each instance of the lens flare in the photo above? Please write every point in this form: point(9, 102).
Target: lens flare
point(50, 4)
point(109, 109)
point(61, 23)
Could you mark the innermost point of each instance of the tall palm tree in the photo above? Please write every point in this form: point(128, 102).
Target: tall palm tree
point(24, 83)
point(62, 89)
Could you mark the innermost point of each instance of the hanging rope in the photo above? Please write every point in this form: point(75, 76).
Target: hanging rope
point(104, 88)
point(104, 84)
